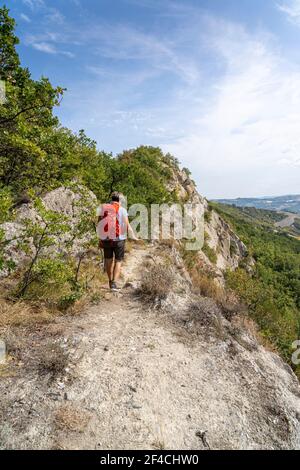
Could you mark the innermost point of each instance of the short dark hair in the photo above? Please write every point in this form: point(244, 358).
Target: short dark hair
point(115, 196)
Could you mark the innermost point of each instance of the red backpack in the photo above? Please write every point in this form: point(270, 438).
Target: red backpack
point(110, 215)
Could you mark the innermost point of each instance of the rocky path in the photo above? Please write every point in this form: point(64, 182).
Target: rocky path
point(135, 379)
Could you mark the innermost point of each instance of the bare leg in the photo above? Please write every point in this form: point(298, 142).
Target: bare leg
point(109, 264)
point(117, 270)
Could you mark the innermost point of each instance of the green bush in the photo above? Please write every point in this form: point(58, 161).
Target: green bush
point(210, 253)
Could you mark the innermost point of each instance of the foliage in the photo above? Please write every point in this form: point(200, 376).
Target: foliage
point(141, 174)
point(49, 240)
point(9, 60)
point(272, 293)
point(187, 171)
point(208, 216)
point(39, 239)
point(210, 253)
point(5, 206)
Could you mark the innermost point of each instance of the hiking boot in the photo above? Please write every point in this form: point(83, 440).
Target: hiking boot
point(113, 285)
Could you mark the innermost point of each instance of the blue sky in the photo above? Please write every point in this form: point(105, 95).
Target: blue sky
point(214, 82)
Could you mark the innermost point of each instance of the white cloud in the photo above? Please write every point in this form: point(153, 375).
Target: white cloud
point(69, 54)
point(25, 18)
point(44, 47)
point(51, 14)
point(291, 8)
point(239, 137)
point(293, 161)
point(50, 49)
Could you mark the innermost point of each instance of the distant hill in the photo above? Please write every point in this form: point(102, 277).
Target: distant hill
point(280, 203)
point(276, 221)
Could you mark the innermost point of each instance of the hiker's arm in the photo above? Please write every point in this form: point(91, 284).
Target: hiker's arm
point(130, 230)
point(99, 217)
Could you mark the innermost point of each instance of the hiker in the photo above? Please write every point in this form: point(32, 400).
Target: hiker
point(112, 228)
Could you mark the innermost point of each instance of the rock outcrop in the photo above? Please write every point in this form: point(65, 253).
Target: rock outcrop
point(64, 201)
point(229, 249)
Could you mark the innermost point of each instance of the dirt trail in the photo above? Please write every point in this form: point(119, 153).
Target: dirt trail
point(137, 380)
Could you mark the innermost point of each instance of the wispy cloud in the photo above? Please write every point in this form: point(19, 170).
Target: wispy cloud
point(50, 49)
point(34, 4)
point(25, 18)
point(50, 13)
point(291, 8)
point(125, 43)
point(243, 129)
point(44, 47)
point(55, 16)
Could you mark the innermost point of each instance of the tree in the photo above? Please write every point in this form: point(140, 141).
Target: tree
point(25, 115)
point(9, 59)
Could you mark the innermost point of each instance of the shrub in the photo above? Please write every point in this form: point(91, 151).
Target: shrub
point(157, 283)
point(207, 216)
point(69, 300)
point(206, 286)
point(210, 253)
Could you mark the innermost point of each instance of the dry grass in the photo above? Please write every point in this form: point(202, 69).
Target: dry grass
point(169, 243)
point(198, 314)
point(205, 313)
point(207, 286)
point(129, 246)
point(24, 314)
point(92, 275)
point(157, 283)
point(70, 418)
point(45, 308)
point(232, 309)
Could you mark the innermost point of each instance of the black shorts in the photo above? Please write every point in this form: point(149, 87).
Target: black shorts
point(116, 248)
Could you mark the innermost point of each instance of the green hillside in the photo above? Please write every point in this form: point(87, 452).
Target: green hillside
point(289, 203)
point(272, 293)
